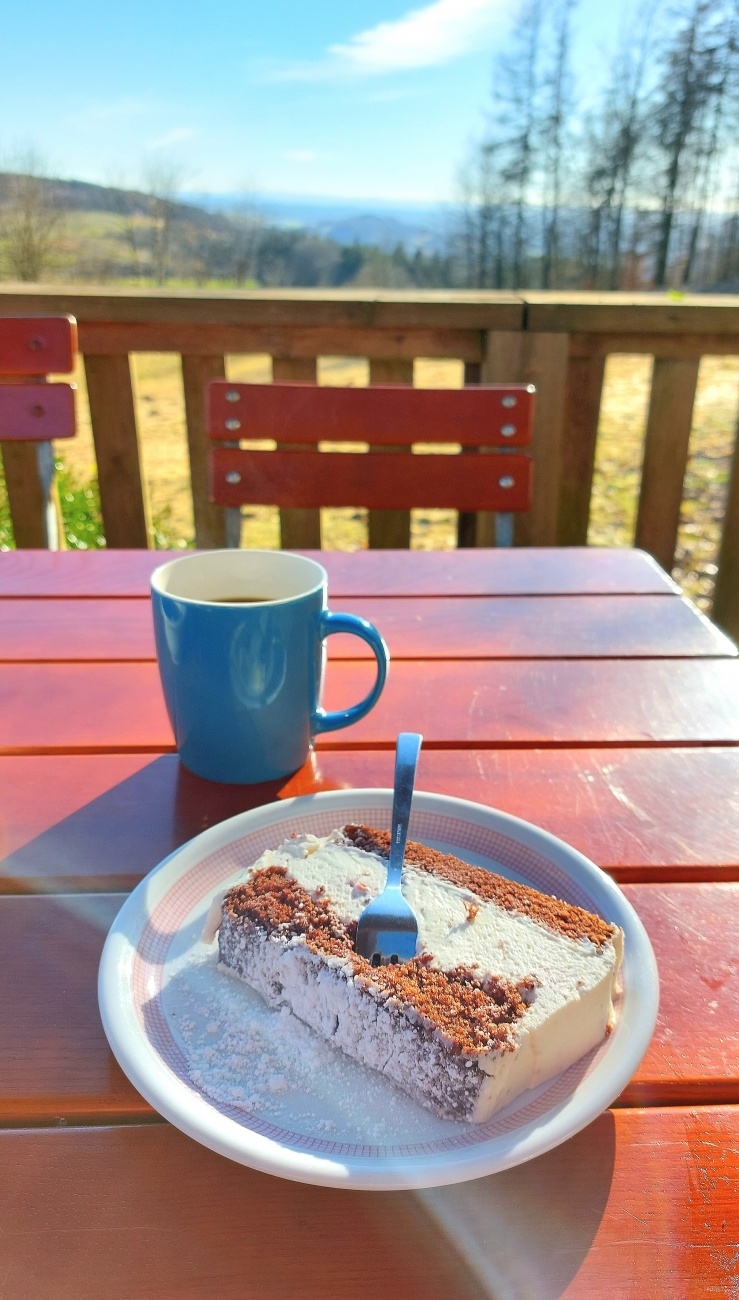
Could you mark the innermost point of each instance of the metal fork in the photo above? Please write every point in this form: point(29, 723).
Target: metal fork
point(387, 930)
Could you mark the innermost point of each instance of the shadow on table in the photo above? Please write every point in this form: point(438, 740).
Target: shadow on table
point(526, 1232)
point(114, 839)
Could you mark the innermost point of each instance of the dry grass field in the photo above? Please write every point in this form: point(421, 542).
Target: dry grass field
point(160, 408)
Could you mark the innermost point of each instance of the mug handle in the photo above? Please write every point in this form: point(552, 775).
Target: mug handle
point(352, 623)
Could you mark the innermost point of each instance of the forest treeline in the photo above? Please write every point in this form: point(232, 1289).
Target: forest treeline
point(630, 184)
point(634, 184)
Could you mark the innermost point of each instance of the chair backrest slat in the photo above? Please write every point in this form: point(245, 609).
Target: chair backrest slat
point(36, 412)
point(384, 480)
point(37, 345)
point(493, 415)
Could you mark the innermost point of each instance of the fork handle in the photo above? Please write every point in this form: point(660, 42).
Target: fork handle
point(406, 761)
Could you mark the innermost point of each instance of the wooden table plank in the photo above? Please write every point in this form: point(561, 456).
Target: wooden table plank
point(522, 572)
point(57, 708)
point(144, 1211)
point(100, 822)
point(55, 1063)
point(645, 1205)
point(499, 627)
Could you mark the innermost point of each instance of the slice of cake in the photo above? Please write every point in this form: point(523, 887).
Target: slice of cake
point(509, 986)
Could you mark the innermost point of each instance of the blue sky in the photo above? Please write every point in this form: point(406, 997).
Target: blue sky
point(371, 99)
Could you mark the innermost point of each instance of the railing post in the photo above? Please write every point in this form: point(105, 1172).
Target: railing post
point(390, 529)
point(665, 457)
point(117, 451)
point(582, 414)
point(539, 359)
point(210, 521)
point(300, 530)
point(725, 609)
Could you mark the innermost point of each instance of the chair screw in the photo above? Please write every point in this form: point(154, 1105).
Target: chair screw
point(506, 481)
point(508, 430)
point(233, 424)
point(233, 396)
point(233, 477)
point(509, 401)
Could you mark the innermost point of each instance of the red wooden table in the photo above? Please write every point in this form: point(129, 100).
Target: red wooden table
point(574, 688)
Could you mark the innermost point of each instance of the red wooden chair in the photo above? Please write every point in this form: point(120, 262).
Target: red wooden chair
point(488, 416)
point(32, 413)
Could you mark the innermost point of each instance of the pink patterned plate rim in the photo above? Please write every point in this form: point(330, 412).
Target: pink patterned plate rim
point(139, 947)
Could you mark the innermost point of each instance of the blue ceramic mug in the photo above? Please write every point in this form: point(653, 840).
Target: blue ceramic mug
point(240, 643)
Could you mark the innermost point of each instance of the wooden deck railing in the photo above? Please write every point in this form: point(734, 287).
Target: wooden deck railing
point(557, 341)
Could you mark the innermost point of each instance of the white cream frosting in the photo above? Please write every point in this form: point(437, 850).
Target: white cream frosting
point(572, 1003)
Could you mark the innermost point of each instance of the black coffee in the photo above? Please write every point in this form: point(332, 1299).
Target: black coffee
point(240, 600)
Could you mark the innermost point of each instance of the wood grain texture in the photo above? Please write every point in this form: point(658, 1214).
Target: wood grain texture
point(676, 347)
point(300, 529)
point(390, 309)
point(390, 529)
point(534, 571)
point(619, 313)
point(665, 457)
point(94, 707)
point(288, 341)
point(644, 1202)
point(582, 413)
point(100, 822)
point(144, 1211)
point(305, 479)
point(116, 450)
point(483, 627)
point(694, 1054)
point(210, 521)
point(55, 1062)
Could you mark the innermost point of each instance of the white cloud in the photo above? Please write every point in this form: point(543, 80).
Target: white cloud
point(421, 38)
point(301, 156)
point(179, 135)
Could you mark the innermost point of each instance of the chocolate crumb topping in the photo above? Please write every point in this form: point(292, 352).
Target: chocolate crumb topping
point(564, 918)
point(473, 1016)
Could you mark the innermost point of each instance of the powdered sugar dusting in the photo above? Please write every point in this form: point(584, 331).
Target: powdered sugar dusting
point(266, 1062)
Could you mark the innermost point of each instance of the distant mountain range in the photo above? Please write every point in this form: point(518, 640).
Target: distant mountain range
point(376, 222)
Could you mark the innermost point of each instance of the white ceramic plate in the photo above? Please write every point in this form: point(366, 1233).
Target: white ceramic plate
point(181, 1030)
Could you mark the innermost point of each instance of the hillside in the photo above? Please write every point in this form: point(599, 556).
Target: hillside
point(73, 230)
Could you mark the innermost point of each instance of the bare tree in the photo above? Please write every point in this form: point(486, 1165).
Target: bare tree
point(517, 92)
point(162, 180)
point(554, 135)
point(29, 220)
point(715, 134)
point(687, 91)
point(612, 154)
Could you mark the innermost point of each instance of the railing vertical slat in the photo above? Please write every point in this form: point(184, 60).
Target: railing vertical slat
point(539, 359)
point(299, 529)
point(390, 529)
point(725, 609)
point(582, 413)
point(25, 494)
point(210, 520)
point(117, 450)
point(466, 521)
point(665, 457)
